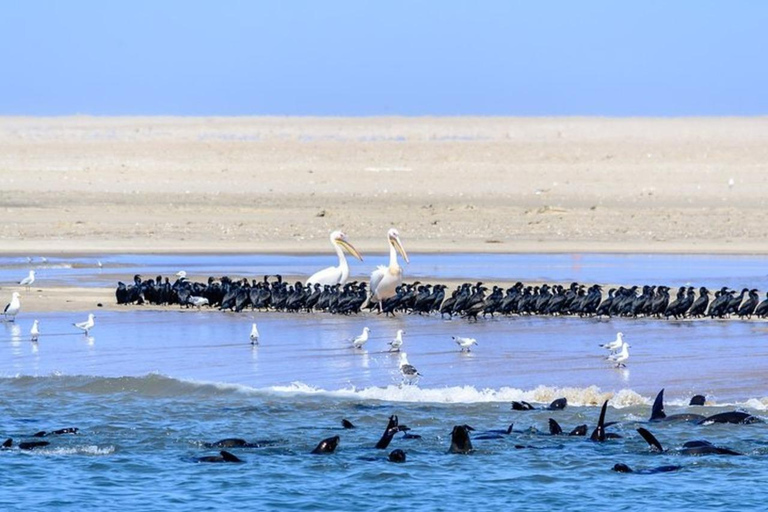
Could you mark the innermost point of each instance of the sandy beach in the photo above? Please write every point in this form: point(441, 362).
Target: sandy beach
point(157, 184)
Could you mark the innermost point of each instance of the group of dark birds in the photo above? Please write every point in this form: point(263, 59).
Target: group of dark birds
point(466, 300)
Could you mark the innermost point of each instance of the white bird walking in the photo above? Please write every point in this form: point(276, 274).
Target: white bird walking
point(87, 325)
point(615, 344)
point(254, 334)
point(464, 343)
point(620, 357)
point(34, 332)
point(27, 281)
point(385, 280)
point(12, 308)
point(407, 370)
point(396, 343)
point(198, 301)
point(336, 275)
point(359, 341)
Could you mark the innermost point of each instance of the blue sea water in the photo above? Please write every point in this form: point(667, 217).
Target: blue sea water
point(147, 389)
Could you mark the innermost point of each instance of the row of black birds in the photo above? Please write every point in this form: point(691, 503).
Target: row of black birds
point(466, 300)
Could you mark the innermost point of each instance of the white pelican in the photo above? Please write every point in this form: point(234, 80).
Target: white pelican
point(464, 343)
point(87, 325)
point(396, 343)
point(34, 332)
point(27, 281)
point(615, 344)
point(336, 275)
point(12, 308)
point(359, 341)
point(385, 280)
point(254, 335)
point(620, 357)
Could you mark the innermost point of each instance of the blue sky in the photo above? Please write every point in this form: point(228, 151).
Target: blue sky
point(355, 57)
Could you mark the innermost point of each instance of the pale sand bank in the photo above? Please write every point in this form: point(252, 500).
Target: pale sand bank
point(84, 184)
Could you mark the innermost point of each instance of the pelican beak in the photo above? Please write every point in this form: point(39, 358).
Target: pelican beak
point(400, 249)
point(350, 249)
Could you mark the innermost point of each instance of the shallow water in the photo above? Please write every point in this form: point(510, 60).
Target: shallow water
point(148, 388)
point(673, 270)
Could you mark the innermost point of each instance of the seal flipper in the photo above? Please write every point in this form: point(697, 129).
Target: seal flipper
point(8, 443)
point(657, 412)
point(580, 430)
point(521, 406)
point(558, 405)
point(347, 424)
point(598, 434)
point(229, 457)
point(650, 439)
point(554, 428)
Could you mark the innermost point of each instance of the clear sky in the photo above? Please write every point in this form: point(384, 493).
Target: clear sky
point(409, 57)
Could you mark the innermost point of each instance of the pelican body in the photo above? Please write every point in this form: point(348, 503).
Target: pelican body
point(385, 280)
point(336, 275)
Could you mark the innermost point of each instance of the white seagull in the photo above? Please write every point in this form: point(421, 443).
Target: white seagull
point(407, 370)
point(87, 325)
point(27, 281)
point(464, 343)
point(615, 344)
point(12, 308)
point(359, 341)
point(198, 301)
point(181, 274)
point(385, 280)
point(254, 334)
point(34, 332)
point(339, 274)
point(620, 357)
point(396, 343)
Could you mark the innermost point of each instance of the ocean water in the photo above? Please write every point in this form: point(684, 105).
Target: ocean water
point(148, 389)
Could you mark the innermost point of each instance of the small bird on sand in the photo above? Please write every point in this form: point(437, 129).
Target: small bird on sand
point(27, 281)
point(464, 343)
point(615, 344)
point(359, 341)
point(12, 308)
point(620, 357)
point(254, 334)
point(396, 343)
point(87, 325)
point(34, 332)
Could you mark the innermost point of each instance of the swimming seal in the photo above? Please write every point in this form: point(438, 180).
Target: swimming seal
point(397, 456)
point(460, 442)
point(734, 417)
point(697, 400)
point(556, 405)
point(31, 445)
point(623, 468)
point(699, 447)
point(224, 456)
point(658, 414)
point(61, 431)
point(327, 445)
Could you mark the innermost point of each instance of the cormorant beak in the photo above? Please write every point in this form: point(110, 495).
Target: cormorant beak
point(349, 248)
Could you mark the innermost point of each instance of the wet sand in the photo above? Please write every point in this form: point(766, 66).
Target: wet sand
point(217, 185)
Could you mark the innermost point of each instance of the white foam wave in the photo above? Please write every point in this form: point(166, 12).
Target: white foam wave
point(590, 396)
point(76, 450)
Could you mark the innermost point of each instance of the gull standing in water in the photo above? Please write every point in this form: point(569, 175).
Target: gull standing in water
point(385, 280)
point(464, 343)
point(407, 370)
point(359, 341)
point(615, 344)
point(87, 325)
point(620, 357)
point(27, 281)
point(254, 334)
point(396, 343)
point(12, 308)
point(336, 275)
point(34, 332)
